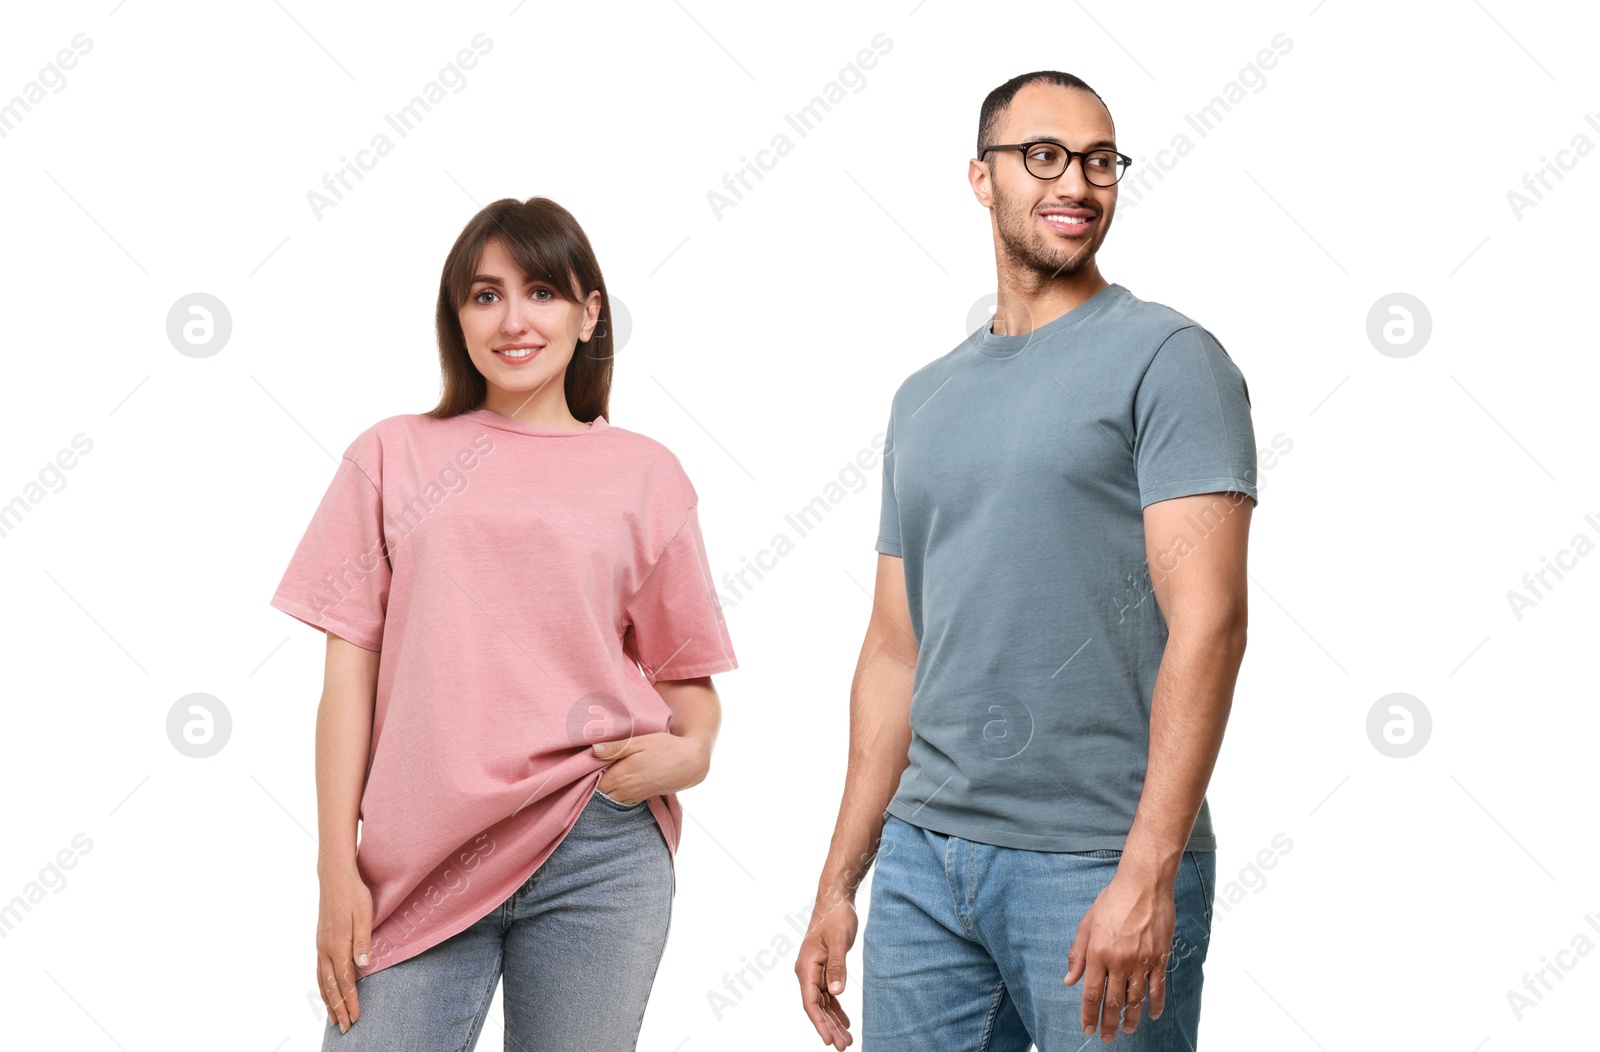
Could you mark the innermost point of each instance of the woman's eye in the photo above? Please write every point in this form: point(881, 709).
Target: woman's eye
point(542, 294)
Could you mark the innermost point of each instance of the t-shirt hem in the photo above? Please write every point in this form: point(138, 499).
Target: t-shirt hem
point(433, 939)
point(466, 919)
point(705, 668)
point(888, 547)
point(1191, 487)
point(300, 612)
point(1026, 841)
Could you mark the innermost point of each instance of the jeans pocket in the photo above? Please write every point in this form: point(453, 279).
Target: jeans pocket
point(613, 804)
point(1194, 859)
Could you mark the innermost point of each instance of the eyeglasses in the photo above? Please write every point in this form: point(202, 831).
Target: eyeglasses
point(1047, 160)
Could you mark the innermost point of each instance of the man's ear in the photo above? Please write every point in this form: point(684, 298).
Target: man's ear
point(978, 175)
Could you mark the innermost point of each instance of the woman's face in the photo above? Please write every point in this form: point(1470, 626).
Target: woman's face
point(506, 312)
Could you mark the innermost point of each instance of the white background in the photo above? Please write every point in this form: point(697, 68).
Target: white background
point(765, 347)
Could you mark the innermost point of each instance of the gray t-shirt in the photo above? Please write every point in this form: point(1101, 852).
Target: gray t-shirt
point(1016, 471)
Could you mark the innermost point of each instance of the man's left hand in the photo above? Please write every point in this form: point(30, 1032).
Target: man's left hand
point(1121, 953)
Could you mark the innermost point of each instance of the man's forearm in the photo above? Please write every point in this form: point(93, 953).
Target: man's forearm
point(1188, 714)
point(880, 741)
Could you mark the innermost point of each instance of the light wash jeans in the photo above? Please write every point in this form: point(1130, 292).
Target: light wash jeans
point(579, 944)
point(965, 947)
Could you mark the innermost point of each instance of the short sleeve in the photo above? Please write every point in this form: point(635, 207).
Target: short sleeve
point(338, 578)
point(1193, 432)
point(889, 513)
point(675, 628)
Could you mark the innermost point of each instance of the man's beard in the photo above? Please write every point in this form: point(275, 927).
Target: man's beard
point(1027, 247)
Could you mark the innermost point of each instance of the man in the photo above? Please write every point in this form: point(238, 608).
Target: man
point(1058, 623)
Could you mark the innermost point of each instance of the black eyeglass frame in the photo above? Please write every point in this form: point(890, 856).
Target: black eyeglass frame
point(1027, 148)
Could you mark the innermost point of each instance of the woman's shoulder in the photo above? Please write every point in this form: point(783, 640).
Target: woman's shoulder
point(406, 425)
point(639, 443)
point(392, 433)
point(655, 461)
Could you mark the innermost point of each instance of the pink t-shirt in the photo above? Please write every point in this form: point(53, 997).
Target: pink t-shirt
point(526, 587)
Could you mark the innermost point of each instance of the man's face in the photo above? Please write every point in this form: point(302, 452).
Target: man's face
point(1023, 204)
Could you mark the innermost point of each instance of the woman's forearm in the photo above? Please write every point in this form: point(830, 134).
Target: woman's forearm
point(344, 735)
point(696, 710)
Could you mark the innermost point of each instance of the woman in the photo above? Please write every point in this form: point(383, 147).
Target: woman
point(506, 582)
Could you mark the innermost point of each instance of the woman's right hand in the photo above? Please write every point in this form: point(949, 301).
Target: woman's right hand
point(344, 939)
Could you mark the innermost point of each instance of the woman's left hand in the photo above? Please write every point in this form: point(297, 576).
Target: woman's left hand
point(649, 765)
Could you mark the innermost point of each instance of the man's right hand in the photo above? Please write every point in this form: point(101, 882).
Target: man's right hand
point(820, 968)
point(344, 935)
point(880, 740)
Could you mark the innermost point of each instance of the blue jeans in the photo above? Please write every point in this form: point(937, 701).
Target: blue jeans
point(965, 947)
point(579, 944)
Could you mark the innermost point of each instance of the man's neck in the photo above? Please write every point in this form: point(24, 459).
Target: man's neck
point(1027, 301)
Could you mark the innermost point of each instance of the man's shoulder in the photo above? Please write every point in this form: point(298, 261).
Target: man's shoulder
point(924, 381)
point(1142, 321)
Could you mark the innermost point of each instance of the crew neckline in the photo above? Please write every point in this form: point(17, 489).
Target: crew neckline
point(1006, 346)
point(506, 423)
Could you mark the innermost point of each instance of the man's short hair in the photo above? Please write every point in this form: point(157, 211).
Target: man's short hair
point(994, 106)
